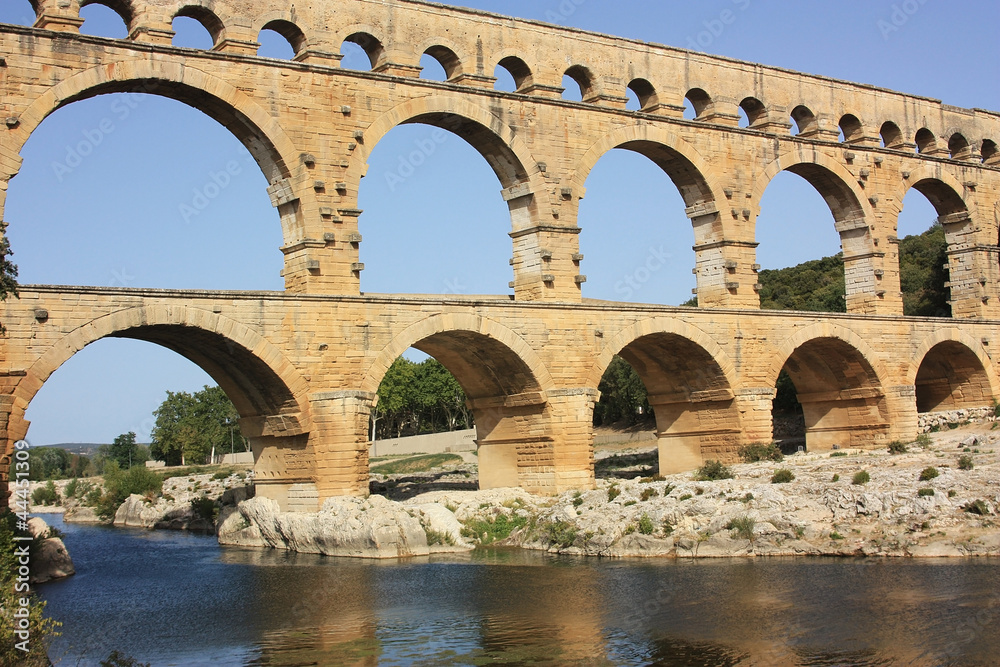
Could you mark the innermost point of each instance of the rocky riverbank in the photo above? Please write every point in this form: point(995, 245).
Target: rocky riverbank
point(905, 509)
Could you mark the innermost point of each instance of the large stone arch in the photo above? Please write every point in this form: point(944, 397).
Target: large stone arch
point(266, 389)
point(505, 384)
point(951, 370)
point(259, 131)
point(685, 166)
point(716, 241)
point(690, 383)
point(506, 153)
point(841, 383)
point(853, 219)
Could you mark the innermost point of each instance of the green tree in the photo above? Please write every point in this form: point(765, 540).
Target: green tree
point(419, 398)
point(189, 426)
point(8, 270)
point(812, 286)
point(922, 273)
point(124, 450)
point(623, 396)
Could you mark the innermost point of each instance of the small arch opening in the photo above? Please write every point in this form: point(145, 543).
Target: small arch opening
point(512, 74)
point(281, 40)
point(102, 20)
point(752, 112)
point(196, 28)
point(851, 129)
point(578, 83)
point(891, 135)
point(699, 100)
point(361, 51)
point(952, 377)
point(803, 121)
point(439, 63)
point(958, 147)
point(642, 95)
point(926, 141)
point(17, 12)
point(991, 155)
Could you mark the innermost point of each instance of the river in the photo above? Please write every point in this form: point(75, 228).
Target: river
point(171, 598)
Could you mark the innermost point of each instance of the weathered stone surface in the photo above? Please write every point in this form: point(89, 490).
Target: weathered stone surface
point(50, 560)
point(360, 528)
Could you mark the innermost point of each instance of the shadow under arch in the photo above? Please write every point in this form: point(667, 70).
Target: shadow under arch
point(257, 130)
point(505, 384)
point(690, 383)
point(852, 214)
point(841, 384)
point(952, 370)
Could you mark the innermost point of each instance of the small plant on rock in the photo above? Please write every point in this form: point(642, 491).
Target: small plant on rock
point(923, 440)
point(977, 507)
point(965, 463)
point(761, 451)
point(782, 476)
point(927, 474)
point(861, 478)
point(742, 526)
point(712, 471)
point(836, 478)
point(923, 493)
point(649, 493)
point(897, 447)
point(613, 492)
point(645, 525)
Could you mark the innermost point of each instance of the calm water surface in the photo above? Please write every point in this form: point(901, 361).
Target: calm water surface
point(174, 599)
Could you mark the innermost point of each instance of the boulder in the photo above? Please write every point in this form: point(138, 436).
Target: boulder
point(50, 560)
point(81, 514)
point(356, 527)
point(440, 519)
point(137, 512)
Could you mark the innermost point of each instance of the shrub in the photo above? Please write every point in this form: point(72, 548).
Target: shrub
point(923, 440)
point(782, 476)
point(836, 536)
point(222, 474)
point(645, 525)
point(205, 508)
point(489, 530)
point(760, 451)
point(713, 470)
point(120, 484)
point(897, 447)
point(629, 503)
point(747, 498)
point(977, 507)
point(577, 500)
point(562, 533)
point(613, 492)
point(45, 495)
point(861, 478)
point(668, 527)
point(836, 478)
point(649, 493)
point(965, 463)
point(686, 496)
point(837, 455)
point(952, 493)
point(742, 526)
point(925, 492)
point(927, 474)
point(71, 488)
point(435, 537)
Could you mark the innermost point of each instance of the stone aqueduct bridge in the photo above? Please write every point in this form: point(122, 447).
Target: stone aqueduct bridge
point(303, 365)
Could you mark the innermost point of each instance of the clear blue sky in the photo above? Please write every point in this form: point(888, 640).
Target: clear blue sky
point(115, 219)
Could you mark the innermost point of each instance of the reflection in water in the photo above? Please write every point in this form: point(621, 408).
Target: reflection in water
point(170, 598)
